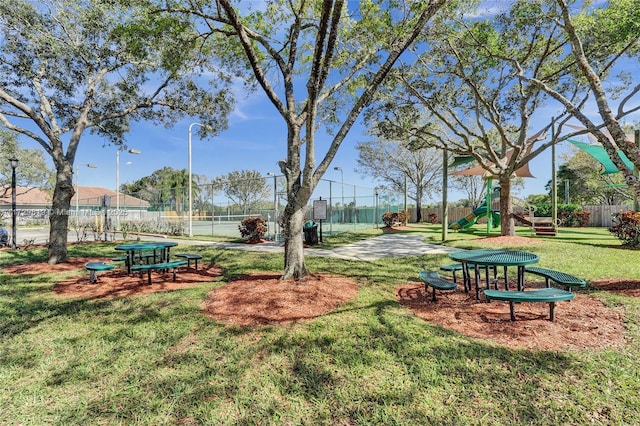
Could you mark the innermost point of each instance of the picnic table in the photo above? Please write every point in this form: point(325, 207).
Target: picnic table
point(160, 249)
point(495, 258)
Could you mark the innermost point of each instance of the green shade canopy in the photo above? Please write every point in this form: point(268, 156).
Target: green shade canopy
point(600, 154)
point(461, 160)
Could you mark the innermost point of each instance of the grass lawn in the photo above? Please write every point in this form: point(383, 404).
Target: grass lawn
point(157, 359)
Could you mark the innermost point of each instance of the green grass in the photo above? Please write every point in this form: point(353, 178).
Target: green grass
point(157, 359)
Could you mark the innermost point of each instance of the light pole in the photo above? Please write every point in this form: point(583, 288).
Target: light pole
point(275, 205)
point(342, 188)
point(92, 166)
point(14, 164)
point(190, 195)
point(130, 151)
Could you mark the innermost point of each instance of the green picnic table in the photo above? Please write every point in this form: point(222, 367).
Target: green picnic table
point(495, 258)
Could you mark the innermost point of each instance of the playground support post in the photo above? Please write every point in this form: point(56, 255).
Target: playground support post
point(445, 202)
point(488, 202)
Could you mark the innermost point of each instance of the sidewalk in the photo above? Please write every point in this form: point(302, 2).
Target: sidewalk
point(382, 246)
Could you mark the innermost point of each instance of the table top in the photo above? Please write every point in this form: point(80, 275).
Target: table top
point(495, 257)
point(147, 245)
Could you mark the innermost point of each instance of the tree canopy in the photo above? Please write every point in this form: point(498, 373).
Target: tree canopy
point(318, 63)
point(394, 164)
point(482, 81)
point(32, 170)
point(97, 65)
point(244, 187)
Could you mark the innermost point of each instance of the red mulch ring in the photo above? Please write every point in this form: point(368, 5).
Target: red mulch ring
point(249, 300)
point(510, 241)
point(266, 299)
point(116, 283)
point(581, 323)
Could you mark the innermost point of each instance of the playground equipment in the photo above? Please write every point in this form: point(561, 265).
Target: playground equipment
point(524, 213)
point(473, 217)
point(486, 208)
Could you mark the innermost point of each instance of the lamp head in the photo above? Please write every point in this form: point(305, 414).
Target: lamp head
point(92, 166)
point(337, 168)
point(134, 151)
point(13, 162)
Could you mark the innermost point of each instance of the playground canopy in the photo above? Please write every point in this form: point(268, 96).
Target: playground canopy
point(480, 171)
point(598, 152)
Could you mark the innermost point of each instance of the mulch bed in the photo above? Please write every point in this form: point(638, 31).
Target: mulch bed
point(257, 299)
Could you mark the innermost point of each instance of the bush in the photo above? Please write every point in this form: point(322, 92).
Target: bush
point(567, 214)
point(391, 219)
point(543, 210)
point(582, 217)
point(252, 229)
point(627, 228)
point(433, 218)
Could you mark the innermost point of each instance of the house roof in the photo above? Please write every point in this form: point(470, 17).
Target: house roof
point(88, 196)
point(92, 196)
point(27, 195)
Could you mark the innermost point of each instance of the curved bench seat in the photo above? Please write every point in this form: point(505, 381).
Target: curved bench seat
point(545, 295)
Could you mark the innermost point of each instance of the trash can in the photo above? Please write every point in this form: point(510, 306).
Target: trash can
point(4, 237)
point(310, 233)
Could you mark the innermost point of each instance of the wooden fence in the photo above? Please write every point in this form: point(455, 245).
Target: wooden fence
point(601, 216)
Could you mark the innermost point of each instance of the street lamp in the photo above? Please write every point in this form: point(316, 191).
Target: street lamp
point(342, 188)
point(130, 151)
point(190, 195)
point(92, 166)
point(14, 164)
point(275, 204)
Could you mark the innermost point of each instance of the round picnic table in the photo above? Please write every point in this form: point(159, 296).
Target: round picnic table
point(495, 258)
point(132, 248)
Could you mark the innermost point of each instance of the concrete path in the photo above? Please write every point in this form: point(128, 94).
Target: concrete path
point(382, 246)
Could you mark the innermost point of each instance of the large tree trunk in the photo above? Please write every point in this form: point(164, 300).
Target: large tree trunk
point(507, 227)
point(294, 266)
point(59, 217)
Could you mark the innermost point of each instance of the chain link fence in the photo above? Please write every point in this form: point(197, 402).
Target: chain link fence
point(348, 207)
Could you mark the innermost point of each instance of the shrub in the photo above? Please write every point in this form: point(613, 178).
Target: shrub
point(543, 210)
point(252, 229)
point(566, 214)
point(582, 217)
point(627, 228)
point(395, 218)
point(433, 218)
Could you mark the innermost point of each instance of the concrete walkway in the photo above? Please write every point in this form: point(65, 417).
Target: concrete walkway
point(382, 246)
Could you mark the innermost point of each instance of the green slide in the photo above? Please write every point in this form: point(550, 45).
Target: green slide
point(473, 217)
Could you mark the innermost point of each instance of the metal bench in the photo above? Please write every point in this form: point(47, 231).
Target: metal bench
point(189, 257)
point(158, 266)
point(452, 268)
point(561, 278)
point(432, 279)
point(546, 295)
point(95, 267)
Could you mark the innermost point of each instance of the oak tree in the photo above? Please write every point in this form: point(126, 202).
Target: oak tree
point(75, 66)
